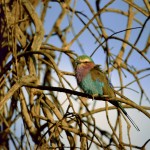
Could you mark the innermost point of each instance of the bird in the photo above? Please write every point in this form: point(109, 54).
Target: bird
point(93, 81)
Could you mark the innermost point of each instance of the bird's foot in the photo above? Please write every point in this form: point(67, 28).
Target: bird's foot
point(94, 95)
point(105, 96)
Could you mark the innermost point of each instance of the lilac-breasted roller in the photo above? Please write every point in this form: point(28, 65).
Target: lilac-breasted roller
point(92, 80)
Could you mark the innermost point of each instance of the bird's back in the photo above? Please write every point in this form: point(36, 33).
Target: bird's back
point(98, 74)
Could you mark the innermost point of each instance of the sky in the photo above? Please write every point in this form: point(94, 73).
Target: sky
point(115, 22)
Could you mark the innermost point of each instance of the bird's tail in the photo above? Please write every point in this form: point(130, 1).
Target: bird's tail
point(117, 104)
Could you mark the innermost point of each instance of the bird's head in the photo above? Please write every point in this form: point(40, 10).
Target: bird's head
point(83, 64)
point(83, 59)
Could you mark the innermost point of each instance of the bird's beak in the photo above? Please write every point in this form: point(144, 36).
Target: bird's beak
point(77, 62)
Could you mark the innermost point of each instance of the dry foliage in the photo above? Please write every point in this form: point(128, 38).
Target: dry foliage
point(32, 112)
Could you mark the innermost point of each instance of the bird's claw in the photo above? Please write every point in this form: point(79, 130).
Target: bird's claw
point(94, 95)
point(105, 96)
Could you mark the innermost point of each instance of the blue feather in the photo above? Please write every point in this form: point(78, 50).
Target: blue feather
point(91, 87)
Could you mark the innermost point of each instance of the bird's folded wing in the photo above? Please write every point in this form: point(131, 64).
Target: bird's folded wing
point(98, 74)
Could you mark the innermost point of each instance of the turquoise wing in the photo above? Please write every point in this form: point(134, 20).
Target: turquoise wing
point(91, 86)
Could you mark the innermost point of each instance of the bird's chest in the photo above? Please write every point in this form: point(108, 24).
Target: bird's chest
point(91, 86)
